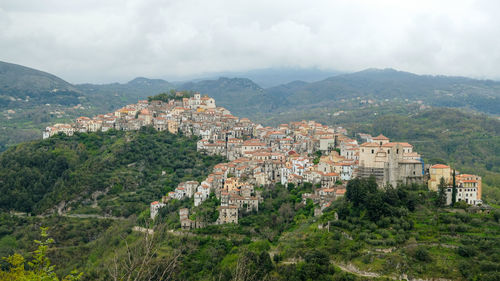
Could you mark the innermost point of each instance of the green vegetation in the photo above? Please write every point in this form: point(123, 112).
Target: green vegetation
point(116, 173)
point(378, 234)
point(400, 231)
point(31, 100)
point(40, 267)
point(468, 142)
point(383, 233)
point(23, 87)
point(172, 95)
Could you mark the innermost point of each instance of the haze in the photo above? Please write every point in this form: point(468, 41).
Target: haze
point(107, 41)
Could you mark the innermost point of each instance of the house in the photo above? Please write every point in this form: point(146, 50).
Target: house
point(470, 181)
point(329, 179)
point(227, 214)
point(154, 207)
point(436, 172)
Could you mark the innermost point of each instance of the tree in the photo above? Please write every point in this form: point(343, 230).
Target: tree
point(454, 190)
point(40, 265)
point(141, 261)
point(441, 197)
point(358, 190)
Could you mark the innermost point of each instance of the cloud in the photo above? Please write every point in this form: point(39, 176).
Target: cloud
point(105, 41)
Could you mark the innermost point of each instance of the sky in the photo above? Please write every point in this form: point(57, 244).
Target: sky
point(116, 40)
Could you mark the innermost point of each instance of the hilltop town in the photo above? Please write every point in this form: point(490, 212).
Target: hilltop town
point(290, 154)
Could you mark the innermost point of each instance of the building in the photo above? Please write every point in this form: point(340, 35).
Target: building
point(154, 207)
point(436, 172)
point(227, 214)
point(390, 162)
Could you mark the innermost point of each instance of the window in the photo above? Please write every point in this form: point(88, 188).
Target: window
point(397, 151)
point(373, 151)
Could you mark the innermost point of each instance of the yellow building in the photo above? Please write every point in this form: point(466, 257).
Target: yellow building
point(231, 184)
point(437, 172)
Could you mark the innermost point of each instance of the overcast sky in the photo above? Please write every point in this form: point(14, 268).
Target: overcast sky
point(117, 40)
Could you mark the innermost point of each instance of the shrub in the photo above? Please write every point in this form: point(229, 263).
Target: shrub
point(422, 254)
point(466, 251)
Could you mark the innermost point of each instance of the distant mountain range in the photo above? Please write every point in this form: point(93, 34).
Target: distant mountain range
point(108, 97)
point(386, 85)
point(246, 98)
point(271, 77)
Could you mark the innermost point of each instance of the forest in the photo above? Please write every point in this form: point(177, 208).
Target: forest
point(124, 168)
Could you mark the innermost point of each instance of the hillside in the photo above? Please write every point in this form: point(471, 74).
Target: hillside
point(377, 85)
point(240, 95)
point(392, 85)
point(122, 170)
point(469, 142)
point(107, 97)
point(271, 77)
point(22, 86)
point(24, 120)
point(379, 235)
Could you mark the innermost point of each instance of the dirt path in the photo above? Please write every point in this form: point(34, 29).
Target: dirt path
point(78, 216)
point(356, 271)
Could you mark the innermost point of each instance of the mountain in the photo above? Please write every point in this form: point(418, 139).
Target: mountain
point(392, 85)
point(31, 99)
point(240, 95)
point(108, 97)
point(138, 87)
point(24, 86)
point(270, 77)
point(246, 98)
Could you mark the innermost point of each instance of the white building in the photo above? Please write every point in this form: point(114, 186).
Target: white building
point(467, 194)
point(154, 207)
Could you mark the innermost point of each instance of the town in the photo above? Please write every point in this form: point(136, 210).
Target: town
point(294, 153)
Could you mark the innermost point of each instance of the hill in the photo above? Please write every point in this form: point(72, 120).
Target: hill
point(392, 85)
point(107, 97)
point(369, 234)
point(23, 86)
point(53, 100)
point(124, 169)
point(240, 95)
point(271, 77)
point(376, 85)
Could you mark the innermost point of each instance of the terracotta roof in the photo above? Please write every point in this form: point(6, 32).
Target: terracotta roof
point(392, 144)
point(370, 144)
point(469, 181)
point(439, 166)
point(380, 137)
